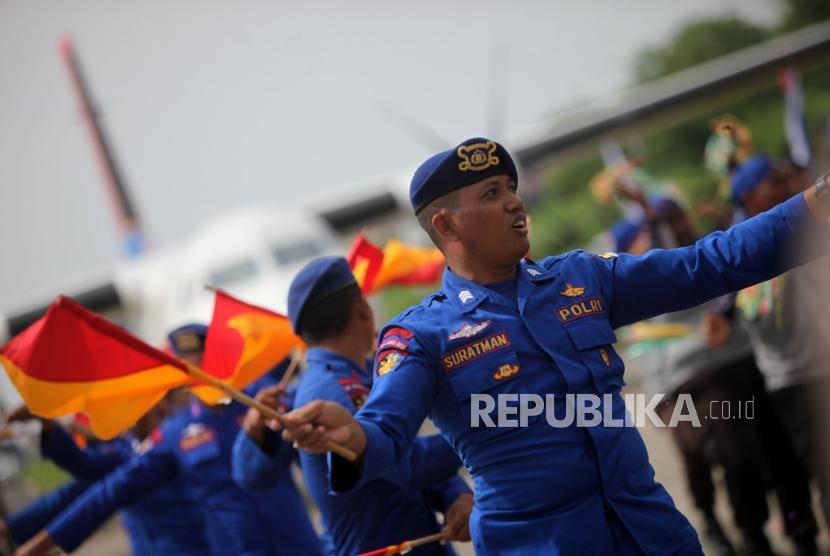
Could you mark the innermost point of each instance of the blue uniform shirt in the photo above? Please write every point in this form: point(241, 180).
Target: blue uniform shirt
point(195, 447)
point(29, 520)
point(393, 507)
point(539, 489)
point(163, 520)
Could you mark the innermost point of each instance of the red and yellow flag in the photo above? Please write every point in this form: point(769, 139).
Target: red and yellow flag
point(243, 342)
point(73, 360)
point(396, 264)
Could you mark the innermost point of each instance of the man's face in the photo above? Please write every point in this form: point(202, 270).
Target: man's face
point(490, 221)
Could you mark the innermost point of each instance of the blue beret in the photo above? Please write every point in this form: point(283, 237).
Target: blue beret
point(473, 160)
point(186, 339)
point(624, 232)
point(748, 176)
point(663, 204)
point(317, 280)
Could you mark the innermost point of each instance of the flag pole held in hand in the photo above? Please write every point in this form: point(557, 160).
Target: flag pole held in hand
point(269, 412)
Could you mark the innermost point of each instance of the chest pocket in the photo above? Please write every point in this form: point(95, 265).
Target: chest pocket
point(493, 375)
point(199, 447)
point(593, 339)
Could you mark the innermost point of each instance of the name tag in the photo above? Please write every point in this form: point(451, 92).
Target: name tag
point(474, 350)
point(580, 309)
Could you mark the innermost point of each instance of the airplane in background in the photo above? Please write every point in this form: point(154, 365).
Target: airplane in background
point(253, 252)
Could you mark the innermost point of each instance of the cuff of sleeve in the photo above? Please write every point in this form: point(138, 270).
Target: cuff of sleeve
point(794, 210)
point(378, 457)
point(455, 488)
point(63, 535)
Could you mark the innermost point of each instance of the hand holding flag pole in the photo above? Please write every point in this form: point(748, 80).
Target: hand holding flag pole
point(404, 547)
point(72, 360)
point(269, 412)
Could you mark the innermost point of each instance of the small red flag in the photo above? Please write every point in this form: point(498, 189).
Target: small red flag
point(243, 342)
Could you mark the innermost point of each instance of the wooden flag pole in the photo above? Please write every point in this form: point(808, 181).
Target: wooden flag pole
point(404, 547)
point(296, 358)
point(269, 412)
point(435, 537)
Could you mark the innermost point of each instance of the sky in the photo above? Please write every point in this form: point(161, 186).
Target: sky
point(212, 104)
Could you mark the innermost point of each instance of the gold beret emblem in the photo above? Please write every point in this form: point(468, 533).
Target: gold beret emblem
point(478, 156)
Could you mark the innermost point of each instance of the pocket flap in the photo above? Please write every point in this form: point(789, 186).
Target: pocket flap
point(589, 333)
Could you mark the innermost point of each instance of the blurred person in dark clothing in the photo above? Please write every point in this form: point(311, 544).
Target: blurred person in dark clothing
point(678, 360)
point(787, 322)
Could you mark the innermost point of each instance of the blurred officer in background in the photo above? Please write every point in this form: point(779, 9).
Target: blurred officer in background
point(329, 312)
point(195, 446)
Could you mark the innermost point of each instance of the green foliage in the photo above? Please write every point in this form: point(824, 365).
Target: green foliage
point(696, 43)
point(45, 475)
point(800, 13)
point(568, 217)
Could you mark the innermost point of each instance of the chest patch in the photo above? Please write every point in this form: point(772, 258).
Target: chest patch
point(506, 371)
point(588, 307)
point(196, 435)
point(470, 329)
point(472, 351)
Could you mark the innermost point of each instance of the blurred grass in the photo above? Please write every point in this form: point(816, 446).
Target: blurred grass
point(45, 475)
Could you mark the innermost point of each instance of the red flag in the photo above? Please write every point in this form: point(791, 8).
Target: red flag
point(396, 264)
point(365, 260)
point(72, 360)
point(243, 342)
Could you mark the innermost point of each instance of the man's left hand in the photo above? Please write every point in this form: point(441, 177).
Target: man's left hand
point(457, 522)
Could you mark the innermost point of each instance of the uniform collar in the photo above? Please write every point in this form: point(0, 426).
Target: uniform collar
point(467, 295)
point(333, 362)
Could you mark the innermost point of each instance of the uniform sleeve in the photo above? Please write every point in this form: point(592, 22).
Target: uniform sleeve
point(430, 461)
point(399, 402)
point(26, 522)
point(256, 468)
point(87, 465)
point(442, 495)
point(118, 489)
point(667, 280)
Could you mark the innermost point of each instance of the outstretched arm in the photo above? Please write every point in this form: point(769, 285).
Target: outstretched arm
point(663, 281)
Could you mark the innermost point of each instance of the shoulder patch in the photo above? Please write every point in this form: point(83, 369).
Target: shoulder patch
point(355, 389)
point(398, 331)
point(389, 360)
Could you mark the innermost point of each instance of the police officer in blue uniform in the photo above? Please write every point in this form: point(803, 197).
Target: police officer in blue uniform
point(161, 522)
point(195, 445)
point(327, 309)
point(504, 328)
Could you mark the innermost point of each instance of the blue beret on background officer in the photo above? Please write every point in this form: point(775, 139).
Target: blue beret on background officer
point(502, 325)
point(327, 309)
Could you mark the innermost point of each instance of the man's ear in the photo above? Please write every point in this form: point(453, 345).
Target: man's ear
point(443, 224)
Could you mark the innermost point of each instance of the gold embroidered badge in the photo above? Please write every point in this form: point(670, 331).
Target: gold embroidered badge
point(478, 156)
point(506, 371)
point(605, 358)
point(572, 291)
